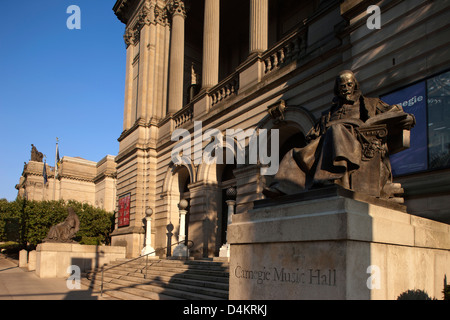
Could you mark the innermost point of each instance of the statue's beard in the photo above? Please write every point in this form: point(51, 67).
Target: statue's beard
point(350, 97)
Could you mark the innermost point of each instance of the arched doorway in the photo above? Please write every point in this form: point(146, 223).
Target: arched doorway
point(175, 189)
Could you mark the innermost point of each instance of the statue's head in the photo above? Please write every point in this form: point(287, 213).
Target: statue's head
point(346, 85)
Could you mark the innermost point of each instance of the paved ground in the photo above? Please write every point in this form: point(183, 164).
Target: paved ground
point(19, 284)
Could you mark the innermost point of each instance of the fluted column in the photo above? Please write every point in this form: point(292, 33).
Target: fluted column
point(176, 64)
point(128, 81)
point(211, 33)
point(259, 23)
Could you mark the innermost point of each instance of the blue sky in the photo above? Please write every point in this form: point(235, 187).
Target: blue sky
point(56, 82)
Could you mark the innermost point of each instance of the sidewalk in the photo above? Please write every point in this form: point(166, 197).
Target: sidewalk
point(19, 284)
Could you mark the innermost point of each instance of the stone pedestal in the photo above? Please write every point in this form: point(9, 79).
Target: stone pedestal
point(32, 260)
point(333, 245)
point(23, 258)
point(53, 259)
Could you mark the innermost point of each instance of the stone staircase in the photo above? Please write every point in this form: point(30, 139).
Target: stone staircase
point(162, 280)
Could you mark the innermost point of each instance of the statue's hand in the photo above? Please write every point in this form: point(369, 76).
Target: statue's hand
point(408, 122)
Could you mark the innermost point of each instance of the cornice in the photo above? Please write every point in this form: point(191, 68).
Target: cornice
point(76, 178)
point(124, 9)
point(102, 176)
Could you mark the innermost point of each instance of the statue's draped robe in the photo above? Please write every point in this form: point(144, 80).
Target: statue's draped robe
point(334, 149)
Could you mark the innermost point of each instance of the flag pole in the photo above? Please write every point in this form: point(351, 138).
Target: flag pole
point(56, 170)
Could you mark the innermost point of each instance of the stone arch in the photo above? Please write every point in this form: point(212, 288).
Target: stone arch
point(291, 121)
point(178, 177)
point(172, 172)
point(210, 172)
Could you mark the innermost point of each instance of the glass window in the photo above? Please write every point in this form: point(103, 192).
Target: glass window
point(429, 101)
point(439, 121)
point(413, 100)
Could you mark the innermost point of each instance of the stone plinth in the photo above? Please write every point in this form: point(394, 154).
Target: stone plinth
point(32, 260)
point(23, 258)
point(335, 247)
point(53, 259)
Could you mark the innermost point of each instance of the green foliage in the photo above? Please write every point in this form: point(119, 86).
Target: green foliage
point(30, 221)
point(415, 294)
point(446, 292)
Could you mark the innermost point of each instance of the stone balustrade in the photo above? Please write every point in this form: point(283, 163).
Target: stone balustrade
point(184, 115)
point(225, 89)
point(286, 51)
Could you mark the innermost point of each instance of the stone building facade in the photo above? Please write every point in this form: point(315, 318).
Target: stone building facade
point(254, 65)
point(77, 179)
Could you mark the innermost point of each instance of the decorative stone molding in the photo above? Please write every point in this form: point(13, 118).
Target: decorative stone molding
point(148, 14)
point(129, 37)
point(176, 7)
point(161, 16)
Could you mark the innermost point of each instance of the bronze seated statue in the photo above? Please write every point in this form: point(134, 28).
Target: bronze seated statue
point(64, 232)
point(348, 146)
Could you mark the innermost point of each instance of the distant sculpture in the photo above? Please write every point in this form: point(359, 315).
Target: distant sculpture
point(349, 146)
point(36, 155)
point(66, 230)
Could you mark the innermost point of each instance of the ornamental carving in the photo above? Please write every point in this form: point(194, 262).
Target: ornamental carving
point(149, 14)
point(161, 16)
point(176, 7)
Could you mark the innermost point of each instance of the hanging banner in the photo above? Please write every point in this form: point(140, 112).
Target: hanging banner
point(124, 210)
point(413, 100)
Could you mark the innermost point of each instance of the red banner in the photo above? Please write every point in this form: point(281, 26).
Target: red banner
point(124, 210)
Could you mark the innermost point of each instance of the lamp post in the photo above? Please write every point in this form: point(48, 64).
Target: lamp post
point(231, 195)
point(148, 249)
point(181, 250)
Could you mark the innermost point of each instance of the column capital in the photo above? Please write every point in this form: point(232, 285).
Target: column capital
point(161, 16)
point(230, 202)
point(176, 7)
point(130, 36)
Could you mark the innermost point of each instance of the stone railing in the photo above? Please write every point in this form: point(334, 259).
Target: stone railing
point(227, 87)
point(287, 50)
point(184, 115)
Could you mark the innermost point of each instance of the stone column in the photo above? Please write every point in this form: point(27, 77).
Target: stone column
point(128, 81)
point(230, 204)
point(183, 212)
point(211, 33)
point(176, 64)
point(143, 85)
point(148, 234)
point(259, 23)
point(181, 250)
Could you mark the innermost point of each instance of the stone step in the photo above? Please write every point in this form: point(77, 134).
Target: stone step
point(194, 276)
point(176, 264)
point(117, 291)
point(163, 279)
point(197, 280)
point(162, 286)
point(202, 287)
point(173, 271)
point(130, 290)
